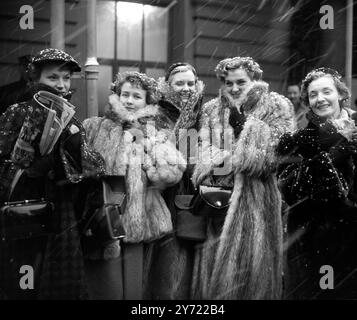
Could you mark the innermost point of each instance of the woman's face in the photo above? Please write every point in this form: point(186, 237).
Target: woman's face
point(57, 77)
point(324, 98)
point(184, 83)
point(132, 97)
point(236, 82)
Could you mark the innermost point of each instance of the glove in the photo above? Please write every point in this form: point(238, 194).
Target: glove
point(236, 120)
point(340, 153)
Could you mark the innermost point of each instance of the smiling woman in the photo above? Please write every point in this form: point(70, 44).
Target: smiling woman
point(131, 139)
point(58, 77)
point(28, 174)
point(324, 98)
point(242, 255)
point(321, 190)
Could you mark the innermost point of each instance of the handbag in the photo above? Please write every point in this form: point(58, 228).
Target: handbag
point(189, 226)
point(27, 218)
point(212, 202)
point(105, 223)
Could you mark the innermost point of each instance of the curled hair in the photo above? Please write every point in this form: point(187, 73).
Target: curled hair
point(139, 80)
point(179, 67)
point(247, 63)
point(341, 87)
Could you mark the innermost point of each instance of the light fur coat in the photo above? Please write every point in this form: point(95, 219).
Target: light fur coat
point(245, 260)
point(150, 163)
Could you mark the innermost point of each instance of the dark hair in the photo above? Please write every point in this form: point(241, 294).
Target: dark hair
point(293, 84)
point(247, 63)
point(341, 87)
point(179, 67)
point(34, 70)
point(137, 79)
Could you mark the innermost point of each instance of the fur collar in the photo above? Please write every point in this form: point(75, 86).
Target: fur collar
point(168, 94)
point(121, 114)
point(248, 98)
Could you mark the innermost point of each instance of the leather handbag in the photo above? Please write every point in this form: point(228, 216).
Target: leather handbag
point(105, 223)
point(212, 202)
point(188, 226)
point(27, 218)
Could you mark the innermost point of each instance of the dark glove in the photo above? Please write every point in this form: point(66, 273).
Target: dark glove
point(236, 120)
point(41, 166)
point(340, 153)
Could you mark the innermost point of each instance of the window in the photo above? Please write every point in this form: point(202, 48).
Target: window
point(130, 36)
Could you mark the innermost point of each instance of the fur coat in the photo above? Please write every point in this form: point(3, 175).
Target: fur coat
point(319, 184)
point(244, 259)
point(148, 160)
point(170, 276)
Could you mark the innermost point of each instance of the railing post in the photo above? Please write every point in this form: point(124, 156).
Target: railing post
point(91, 66)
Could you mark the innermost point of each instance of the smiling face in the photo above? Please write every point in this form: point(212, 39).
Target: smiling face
point(57, 77)
point(324, 98)
point(184, 83)
point(132, 97)
point(236, 82)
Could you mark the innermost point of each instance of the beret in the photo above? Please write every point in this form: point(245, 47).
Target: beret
point(56, 55)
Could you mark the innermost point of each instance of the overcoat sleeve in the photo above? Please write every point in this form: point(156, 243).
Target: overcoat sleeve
point(10, 125)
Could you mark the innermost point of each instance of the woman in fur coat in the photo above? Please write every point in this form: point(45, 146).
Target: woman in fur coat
point(319, 185)
point(242, 256)
point(56, 259)
point(181, 99)
point(133, 138)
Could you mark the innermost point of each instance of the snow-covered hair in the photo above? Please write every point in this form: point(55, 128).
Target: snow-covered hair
point(247, 63)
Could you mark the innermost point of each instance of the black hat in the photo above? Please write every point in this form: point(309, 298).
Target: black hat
point(56, 55)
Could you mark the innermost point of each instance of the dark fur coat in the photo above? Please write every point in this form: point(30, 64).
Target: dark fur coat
point(319, 184)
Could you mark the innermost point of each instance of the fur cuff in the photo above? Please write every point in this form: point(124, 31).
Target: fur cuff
point(209, 159)
point(254, 153)
point(165, 164)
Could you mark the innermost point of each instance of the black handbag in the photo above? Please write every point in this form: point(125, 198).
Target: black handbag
point(25, 219)
point(212, 202)
point(189, 226)
point(105, 223)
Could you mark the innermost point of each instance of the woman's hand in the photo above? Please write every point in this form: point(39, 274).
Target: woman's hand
point(236, 120)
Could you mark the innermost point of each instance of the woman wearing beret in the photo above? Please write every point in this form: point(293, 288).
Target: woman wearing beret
point(319, 185)
point(133, 138)
point(29, 171)
point(242, 256)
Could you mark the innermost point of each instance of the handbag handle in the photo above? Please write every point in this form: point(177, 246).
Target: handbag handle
point(14, 182)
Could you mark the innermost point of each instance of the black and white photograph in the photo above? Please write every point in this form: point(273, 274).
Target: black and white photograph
point(178, 154)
